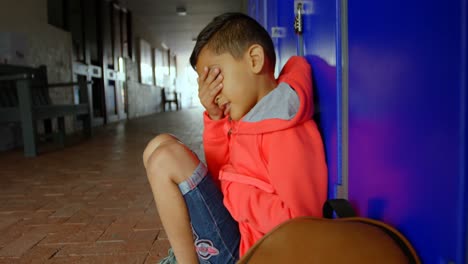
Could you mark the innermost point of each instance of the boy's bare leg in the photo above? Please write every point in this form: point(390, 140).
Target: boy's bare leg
point(168, 162)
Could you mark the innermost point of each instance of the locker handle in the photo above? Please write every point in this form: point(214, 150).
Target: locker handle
point(298, 20)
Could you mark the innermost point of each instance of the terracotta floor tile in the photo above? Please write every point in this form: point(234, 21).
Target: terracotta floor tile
point(39, 254)
point(22, 244)
point(89, 202)
point(13, 232)
point(117, 233)
point(105, 259)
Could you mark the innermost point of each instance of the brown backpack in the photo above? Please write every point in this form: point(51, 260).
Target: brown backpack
point(347, 239)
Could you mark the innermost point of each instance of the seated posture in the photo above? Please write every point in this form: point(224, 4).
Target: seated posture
point(264, 153)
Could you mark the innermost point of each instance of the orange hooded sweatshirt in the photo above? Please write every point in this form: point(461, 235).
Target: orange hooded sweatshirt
point(270, 164)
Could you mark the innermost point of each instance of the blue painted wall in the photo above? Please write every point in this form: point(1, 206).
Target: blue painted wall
point(405, 128)
point(407, 111)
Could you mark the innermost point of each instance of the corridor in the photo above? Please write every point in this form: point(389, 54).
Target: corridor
point(89, 202)
point(390, 97)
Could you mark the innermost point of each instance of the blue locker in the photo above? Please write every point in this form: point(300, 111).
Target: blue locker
point(407, 120)
point(407, 111)
point(287, 44)
point(321, 51)
point(256, 9)
point(266, 13)
point(272, 14)
point(252, 9)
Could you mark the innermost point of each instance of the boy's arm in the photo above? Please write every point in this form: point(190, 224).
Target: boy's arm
point(298, 175)
point(249, 204)
point(215, 143)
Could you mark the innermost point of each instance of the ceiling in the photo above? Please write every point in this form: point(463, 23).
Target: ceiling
point(159, 21)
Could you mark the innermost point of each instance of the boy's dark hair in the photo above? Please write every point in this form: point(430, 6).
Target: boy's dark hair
point(233, 33)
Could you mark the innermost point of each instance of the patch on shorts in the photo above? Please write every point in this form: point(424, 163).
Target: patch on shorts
point(204, 247)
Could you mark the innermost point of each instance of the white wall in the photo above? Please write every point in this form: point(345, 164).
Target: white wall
point(186, 82)
point(45, 44)
point(26, 22)
point(142, 99)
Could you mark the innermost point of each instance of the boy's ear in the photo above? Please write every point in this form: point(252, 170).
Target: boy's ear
point(256, 58)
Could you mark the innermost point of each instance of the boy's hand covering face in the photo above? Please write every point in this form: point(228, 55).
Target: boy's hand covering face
point(209, 86)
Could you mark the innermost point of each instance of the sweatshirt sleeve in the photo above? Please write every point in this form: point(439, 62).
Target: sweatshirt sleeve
point(215, 144)
point(297, 190)
point(298, 170)
point(260, 209)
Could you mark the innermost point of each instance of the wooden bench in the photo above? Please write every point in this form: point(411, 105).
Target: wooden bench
point(24, 98)
point(174, 98)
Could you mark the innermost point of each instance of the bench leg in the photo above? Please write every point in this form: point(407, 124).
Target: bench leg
point(29, 138)
point(61, 131)
point(87, 126)
point(48, 127)
point(27, 121)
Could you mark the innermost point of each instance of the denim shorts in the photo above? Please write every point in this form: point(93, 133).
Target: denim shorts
point(215, 233)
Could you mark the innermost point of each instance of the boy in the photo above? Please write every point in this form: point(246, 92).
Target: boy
point(264, 153)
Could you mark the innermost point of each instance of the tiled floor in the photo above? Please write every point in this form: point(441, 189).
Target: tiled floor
point(89, 202)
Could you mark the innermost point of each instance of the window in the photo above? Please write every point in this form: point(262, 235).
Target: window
point(56, 14)
point(146, 63)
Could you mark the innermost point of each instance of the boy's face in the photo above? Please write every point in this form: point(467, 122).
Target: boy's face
point(238, 90)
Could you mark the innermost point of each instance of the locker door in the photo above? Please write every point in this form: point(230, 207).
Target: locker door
point(287, 44)
point(407, 120)
point(273, 15)
point(257, 10)
point(252, 8)
point(266, 13)
point(319, 40)
point(320, 50)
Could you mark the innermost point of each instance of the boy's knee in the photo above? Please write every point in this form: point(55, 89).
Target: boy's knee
point(173, 159)
point(154, 144)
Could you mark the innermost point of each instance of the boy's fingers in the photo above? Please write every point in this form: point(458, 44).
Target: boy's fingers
point(213, 79)
point(209, 86)
point(208, 97)
point(204, 74)
point(216, 82)
point(227, 109)
point(212, 76)
point(215, 90)
point(201, 78)
point(205, 97)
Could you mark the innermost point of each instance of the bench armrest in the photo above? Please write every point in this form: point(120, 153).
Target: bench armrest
point(16, 77)
point(54, 85)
